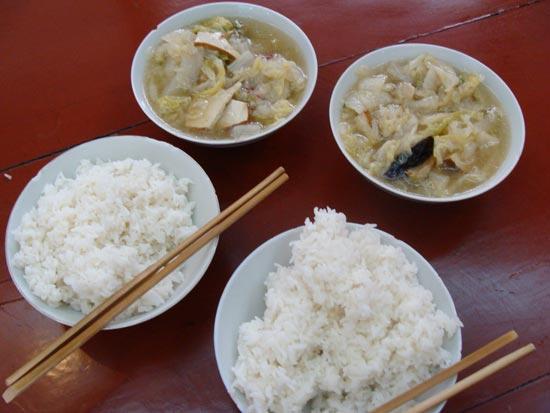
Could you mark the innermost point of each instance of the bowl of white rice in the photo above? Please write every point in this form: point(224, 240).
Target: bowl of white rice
point(333, 317)
point(100, 213)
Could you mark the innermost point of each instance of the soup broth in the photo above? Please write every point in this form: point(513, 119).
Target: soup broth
point(225, 77)
point(424, 127)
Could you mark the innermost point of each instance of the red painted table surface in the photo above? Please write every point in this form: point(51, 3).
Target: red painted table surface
point(64, 77)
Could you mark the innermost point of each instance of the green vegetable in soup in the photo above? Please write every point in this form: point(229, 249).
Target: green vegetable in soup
point(394, 107)
point(224, 78)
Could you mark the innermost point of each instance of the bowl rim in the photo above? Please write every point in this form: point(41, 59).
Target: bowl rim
point(490, 183)
point(145, 106)
point(297, 230)
point(44, 309)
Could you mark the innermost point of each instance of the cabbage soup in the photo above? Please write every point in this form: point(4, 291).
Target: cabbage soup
point(224, 77)
point(424, 127)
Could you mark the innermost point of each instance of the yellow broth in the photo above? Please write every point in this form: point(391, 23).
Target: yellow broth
point(486, 161)
point(265, 40)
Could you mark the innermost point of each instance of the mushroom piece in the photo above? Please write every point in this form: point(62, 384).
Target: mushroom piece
point(205, 112)
point(420, 152)
point(216, 41)
point(449, 165)
point(235, 112)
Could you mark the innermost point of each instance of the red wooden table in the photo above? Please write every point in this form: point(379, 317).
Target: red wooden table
point(64, 77)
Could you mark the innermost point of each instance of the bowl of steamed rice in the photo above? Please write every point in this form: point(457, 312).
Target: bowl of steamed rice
point(333, 317)
point(100, 213)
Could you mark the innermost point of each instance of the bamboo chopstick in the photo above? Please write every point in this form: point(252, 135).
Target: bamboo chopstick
point(472, 379)
point(140, 277)
point(443, 375)
point(97, 319)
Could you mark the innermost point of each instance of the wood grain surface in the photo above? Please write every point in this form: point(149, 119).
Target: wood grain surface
point(64, 78)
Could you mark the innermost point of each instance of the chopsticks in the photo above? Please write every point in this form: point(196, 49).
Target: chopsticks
point(472, 379)
point(463, 384)
point(92, 323)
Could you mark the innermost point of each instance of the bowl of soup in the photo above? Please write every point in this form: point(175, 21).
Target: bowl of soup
point(427, 123)
point(224, 74)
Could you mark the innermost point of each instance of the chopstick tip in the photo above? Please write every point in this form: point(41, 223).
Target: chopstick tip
point(9, 394)
point(11, 379)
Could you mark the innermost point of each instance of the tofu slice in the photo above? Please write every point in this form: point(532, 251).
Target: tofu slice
point(235, 112)
point(420, 172)
point(215, 105)
point(217, 42)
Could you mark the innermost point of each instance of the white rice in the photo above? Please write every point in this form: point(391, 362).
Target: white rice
point(88, 236)
point(347, 325)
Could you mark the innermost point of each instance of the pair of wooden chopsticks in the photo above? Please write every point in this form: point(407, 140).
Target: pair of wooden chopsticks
point(81, 332)
point(463, 384)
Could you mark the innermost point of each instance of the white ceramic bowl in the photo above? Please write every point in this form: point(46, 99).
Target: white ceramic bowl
point(243, 299)
point(229, 9)
point(461, 61)
point(171, 159)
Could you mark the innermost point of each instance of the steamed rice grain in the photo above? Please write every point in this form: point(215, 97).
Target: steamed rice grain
point(347, 325)
point(88, 236)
